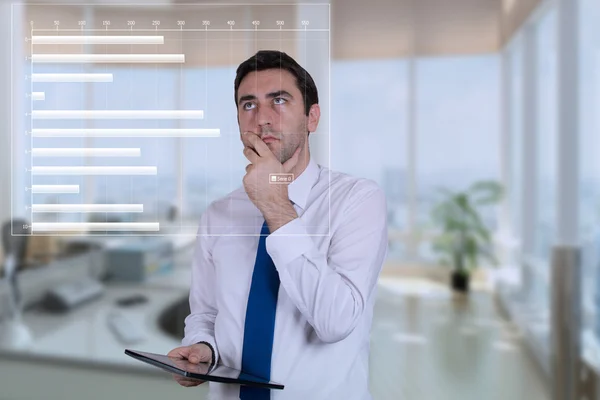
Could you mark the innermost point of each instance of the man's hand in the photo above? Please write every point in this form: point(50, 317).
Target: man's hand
point(270, 198)
point(195, 354)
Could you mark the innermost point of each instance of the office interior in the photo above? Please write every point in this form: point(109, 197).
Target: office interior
point(433, 99)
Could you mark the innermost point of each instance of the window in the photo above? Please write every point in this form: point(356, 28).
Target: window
point(457, 141)
point(137, 89)
point(457, 114)
point(589, 64)
point(516, 133)
point(546, 135)
point(589, 183)
point(212, 167)
point(58, 96)
point(369, 125)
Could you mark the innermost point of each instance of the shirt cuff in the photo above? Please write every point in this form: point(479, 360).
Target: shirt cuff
point(213, 361)
point(288, 242)
point(202, 338)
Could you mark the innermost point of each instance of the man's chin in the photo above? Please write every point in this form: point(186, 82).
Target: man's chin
point(279, 153)
point(284, 157)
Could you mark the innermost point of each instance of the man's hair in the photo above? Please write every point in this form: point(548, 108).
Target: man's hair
point(272, 59)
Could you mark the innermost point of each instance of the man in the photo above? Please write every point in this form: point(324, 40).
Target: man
point(284, 274)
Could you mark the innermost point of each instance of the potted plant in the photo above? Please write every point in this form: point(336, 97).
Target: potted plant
point(463, 237)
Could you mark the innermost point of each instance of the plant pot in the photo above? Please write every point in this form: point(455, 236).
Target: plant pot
point(460, 281)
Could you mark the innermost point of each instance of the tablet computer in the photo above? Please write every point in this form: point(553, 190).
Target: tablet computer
point(218, 373)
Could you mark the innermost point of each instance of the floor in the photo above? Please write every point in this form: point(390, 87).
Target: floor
point(428, 344)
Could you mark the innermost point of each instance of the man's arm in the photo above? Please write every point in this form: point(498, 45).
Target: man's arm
point(200, 324)
point(331, 290)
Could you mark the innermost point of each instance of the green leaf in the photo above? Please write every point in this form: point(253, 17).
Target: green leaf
point(463, 237)
point(486, 192)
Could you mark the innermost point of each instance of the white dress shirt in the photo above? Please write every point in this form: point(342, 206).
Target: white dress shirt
point(328, 260)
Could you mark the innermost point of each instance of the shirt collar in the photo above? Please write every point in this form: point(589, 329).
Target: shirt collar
point(300, 187)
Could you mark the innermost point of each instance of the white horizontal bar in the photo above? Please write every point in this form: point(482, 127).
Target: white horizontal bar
point(98, 39)
point(72, 77)
point(38, 96)
point(126, 132)
point(117, 114)
point(85, 208)
point(93, 226)
point(85, 152)
point(108, 58)
point(56, 189)
point(93, 170)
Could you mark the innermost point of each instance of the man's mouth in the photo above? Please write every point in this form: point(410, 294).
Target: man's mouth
point(269, 139)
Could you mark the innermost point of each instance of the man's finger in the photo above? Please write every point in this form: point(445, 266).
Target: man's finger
point(258, 145)
point(183, 381)
point(192, 382)
point(246, 141)
point(244, 138)
point(189, 383)
point(179, 352)
point(251, 155)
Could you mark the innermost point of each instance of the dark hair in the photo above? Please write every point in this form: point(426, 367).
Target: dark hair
point(273, 59)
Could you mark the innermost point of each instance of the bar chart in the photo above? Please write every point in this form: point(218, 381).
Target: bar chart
point(117, 97)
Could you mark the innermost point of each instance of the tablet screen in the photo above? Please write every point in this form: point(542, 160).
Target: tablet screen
point(219, 373)
point(184, 365)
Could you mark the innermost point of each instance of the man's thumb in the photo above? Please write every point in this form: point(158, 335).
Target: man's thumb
point(198, 355)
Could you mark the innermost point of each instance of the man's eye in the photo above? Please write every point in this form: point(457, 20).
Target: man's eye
point(248, 106)
point(279, 100)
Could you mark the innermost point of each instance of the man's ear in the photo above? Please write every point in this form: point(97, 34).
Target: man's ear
point(314, 114)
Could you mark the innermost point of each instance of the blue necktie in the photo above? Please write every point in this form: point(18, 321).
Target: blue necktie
point(260, 321)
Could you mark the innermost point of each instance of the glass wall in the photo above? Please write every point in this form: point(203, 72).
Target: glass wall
point(146, 89)
point(546, 99)
point(515, 55)
point(589, 183)
point(72, 95)
point(207, 174)
point(530, 302)
point(369, 123)
point(590, 118)
point(529, 299)
point(457, 133)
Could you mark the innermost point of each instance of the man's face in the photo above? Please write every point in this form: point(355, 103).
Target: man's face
point(270, 104)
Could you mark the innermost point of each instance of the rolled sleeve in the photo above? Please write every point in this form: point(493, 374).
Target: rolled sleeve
point(288, 242)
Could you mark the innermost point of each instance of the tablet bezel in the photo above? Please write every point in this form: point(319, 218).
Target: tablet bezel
point(146, 357)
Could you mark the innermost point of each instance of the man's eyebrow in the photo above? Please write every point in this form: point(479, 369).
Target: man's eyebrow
point(272, 95)
point(246, 98)
point(280, 93)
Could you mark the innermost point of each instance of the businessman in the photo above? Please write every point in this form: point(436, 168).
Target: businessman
point(284, 272)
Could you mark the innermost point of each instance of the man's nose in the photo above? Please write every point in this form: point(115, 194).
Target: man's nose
point(264, 116)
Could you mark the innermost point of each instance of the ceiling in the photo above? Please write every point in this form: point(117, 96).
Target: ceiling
point(394, 28)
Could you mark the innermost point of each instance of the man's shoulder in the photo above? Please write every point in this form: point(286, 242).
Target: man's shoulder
point(350, 186)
